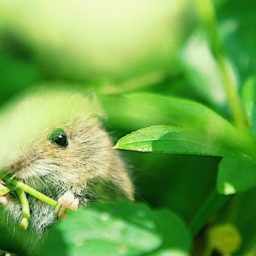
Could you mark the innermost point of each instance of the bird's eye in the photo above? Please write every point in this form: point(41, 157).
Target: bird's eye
point(59, 137)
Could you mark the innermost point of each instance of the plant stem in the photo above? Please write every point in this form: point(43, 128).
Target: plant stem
point(25, 209)
point(213, 204)
point(34, 193)
point(15, 184)
point(207, 14)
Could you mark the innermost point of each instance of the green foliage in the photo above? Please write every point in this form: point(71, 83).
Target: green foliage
point(176, 80)
point(201, 69)
point(124, 229)
point(168, 139)
point(12, 238)
point(238, 20)
point(237, 173)
point(134, 111)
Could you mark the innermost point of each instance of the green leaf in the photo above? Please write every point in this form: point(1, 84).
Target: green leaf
point(169, 139)
point(134, 111)
point(111, 229)
point(237, 173)
point(145, 109)
point(167, 253)
point(249, 101)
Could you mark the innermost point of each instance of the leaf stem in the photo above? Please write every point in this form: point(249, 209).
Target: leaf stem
point(213, 204)
point(207, 15)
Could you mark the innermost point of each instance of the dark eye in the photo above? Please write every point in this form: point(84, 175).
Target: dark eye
point(59, 137)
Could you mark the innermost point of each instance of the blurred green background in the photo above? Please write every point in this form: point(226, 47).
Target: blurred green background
point(117, 47)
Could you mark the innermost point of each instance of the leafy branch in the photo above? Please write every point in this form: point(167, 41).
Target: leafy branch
point(194, 129)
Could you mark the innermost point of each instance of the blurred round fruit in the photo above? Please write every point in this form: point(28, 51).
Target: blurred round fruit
point(98, 38)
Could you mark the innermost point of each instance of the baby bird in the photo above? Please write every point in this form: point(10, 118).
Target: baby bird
point(52, 141)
